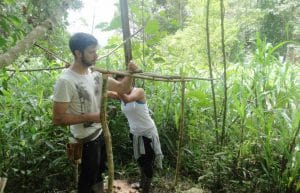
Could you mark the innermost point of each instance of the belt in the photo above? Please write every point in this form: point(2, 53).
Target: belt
point(90, 137)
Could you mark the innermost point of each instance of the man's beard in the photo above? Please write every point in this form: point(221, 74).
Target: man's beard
point(86, 63)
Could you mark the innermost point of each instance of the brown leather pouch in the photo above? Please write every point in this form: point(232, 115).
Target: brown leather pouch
point(74, 152)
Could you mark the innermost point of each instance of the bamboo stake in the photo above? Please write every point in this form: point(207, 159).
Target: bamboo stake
point(181, 127)
point(28, 41)
point(3, 181)
point(107, 136)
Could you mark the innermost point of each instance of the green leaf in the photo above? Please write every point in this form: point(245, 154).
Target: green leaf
point(152, 27)
point(114, 24)
point(4, 25)
point(2, 42)
point(15, 20)
point(9, 1)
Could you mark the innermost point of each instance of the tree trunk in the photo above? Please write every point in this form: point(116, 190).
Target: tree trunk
point(126, 30)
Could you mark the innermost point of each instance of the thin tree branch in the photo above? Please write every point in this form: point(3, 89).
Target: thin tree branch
point(36, 70)
point(52, 54)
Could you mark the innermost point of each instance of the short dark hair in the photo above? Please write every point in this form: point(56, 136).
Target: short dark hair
point(80, 41)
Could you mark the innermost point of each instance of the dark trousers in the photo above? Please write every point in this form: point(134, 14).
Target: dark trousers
point(146, 161)
point(92, 165)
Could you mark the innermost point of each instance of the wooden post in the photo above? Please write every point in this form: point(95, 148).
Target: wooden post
point(3, 181)
point(126, 30)
point(76, 173)
point(181, 126)
point(107, 136)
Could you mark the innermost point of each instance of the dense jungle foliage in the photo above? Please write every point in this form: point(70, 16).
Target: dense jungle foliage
point(247, 141)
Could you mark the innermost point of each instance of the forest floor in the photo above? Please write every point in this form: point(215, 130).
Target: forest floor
point(124, 186)
point(159, 185)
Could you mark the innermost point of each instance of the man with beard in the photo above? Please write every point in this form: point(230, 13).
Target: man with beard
point(77, 101)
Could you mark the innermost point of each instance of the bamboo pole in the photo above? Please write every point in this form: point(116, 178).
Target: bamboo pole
point(146, 76)
point(107, 136)
point(223, 133)
point(181, 127)
point(211, 72)
point(27, 42)
point(149, 76)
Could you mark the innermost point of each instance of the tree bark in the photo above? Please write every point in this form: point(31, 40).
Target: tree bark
point(126, 30)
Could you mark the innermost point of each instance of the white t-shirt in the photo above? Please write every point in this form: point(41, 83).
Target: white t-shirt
point(83, 92)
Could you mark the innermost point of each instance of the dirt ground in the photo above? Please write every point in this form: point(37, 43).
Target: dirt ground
point(161, 186)
point(122, 186)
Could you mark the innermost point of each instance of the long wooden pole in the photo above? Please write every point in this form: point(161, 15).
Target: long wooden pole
point(144, 75)
point(181, 127)
point(107, 136)
point(223, 133)
point(211, 72)
point(150, 76)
